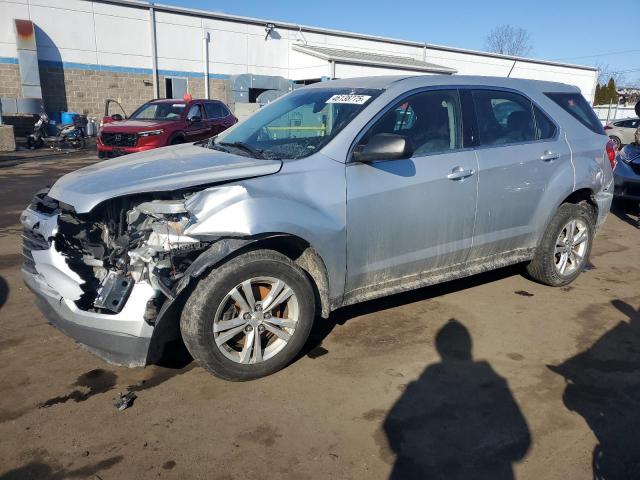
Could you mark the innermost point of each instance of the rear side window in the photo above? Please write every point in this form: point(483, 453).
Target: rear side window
point(578, 108)
point(545, 128)
point(503, 117)
point(214, 110)
point(627, 124)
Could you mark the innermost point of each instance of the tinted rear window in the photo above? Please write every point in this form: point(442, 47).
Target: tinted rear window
point(578, 108)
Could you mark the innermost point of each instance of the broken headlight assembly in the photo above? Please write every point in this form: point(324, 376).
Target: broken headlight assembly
point(131, 243)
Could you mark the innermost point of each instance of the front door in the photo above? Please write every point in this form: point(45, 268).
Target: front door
point(520, 151)
point(406, 217)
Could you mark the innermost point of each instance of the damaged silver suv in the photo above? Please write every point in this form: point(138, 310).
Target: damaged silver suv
point(336, 193)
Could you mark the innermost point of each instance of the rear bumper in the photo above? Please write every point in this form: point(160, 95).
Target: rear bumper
point(121, 339)
point(603, 199)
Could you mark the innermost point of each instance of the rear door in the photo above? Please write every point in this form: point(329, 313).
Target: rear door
point(217, 117)
point(410, 216)
point(521, 150)
point(197, 127)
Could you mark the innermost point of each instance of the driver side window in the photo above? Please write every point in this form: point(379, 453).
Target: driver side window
point(195, 111)
point(430, 121)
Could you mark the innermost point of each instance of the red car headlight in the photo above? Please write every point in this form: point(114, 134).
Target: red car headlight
point(150, 133)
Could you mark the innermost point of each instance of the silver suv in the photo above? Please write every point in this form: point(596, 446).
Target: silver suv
point(334, 194)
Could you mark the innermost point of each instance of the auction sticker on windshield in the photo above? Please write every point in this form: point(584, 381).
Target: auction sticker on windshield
point(352, 99)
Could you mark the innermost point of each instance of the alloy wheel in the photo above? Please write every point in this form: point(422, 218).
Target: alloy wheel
point(256, 320)
point(571, 245)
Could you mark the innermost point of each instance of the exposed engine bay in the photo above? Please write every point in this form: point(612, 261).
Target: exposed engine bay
point(122, 242)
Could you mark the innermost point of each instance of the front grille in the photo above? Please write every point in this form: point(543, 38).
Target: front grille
point(119, 139)
point(635, 167)
point(32, 241)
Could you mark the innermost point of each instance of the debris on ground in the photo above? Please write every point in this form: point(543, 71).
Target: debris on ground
point(523, 293)
point(125, 401)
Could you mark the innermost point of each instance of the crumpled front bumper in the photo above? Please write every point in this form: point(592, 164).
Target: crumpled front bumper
point(121, 339)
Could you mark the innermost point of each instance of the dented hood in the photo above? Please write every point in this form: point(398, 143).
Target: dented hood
point(163, 169)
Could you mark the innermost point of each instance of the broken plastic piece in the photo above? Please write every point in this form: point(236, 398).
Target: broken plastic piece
point(125, 401)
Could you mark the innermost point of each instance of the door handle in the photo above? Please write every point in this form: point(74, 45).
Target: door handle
point(549, 156)
point(459, 173)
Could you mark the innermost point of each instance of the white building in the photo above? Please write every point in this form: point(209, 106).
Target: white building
point(89, 50)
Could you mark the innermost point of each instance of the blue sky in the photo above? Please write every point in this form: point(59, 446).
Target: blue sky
point(571, 31)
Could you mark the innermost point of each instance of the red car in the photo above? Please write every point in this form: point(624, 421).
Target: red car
point(159, 123)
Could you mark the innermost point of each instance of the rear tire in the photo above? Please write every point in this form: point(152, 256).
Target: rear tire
point(565, 246)
point(232, 326)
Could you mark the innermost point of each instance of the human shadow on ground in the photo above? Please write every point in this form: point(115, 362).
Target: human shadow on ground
point(4, 291)
point(603, 386)
point(458, 420)
point(40, 470)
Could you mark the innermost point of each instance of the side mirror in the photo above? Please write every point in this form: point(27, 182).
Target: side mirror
point(116, 117)
point(384, 146)
point(194, 119)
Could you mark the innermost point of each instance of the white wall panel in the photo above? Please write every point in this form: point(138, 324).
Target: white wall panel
point(177, 19)
point(133, 61)
point(119, 11)
point(8, 50)
point(268, 53)
point(308, 73)
point(223, 25)
point(67, 55)
point(299, 60)
point(182, 65)
point(278, 72)
point(76, 5)
point(122, 35)
point(227, 68)
point(64, 28)
point(9, 11)
point(348, 71)
point(227, 47)
point(179, 41)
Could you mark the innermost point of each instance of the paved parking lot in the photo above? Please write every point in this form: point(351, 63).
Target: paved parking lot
point(488, 377)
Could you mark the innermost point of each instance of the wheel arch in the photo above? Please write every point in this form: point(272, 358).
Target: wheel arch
point(175, 136)
point(166, 327)
point(583, 195)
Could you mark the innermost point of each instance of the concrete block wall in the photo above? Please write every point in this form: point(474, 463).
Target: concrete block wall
point(218, 88)
point(85, 91)
point(10, 81)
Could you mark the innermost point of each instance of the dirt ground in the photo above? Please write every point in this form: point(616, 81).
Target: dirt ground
point(488, 377)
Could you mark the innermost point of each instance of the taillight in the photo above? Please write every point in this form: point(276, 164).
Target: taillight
point(608, 127)
point(611, 153)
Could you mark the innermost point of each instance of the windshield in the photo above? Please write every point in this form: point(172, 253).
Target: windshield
point(159, 111)
point(298, 124)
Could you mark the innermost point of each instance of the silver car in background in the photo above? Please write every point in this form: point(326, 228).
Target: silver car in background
point(337, 193)
point(622, 132)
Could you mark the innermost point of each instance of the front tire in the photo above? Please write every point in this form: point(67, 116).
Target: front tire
point(565, 246)
point(249, 317)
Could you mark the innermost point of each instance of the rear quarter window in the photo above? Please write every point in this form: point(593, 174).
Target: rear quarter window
point(576, 106)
